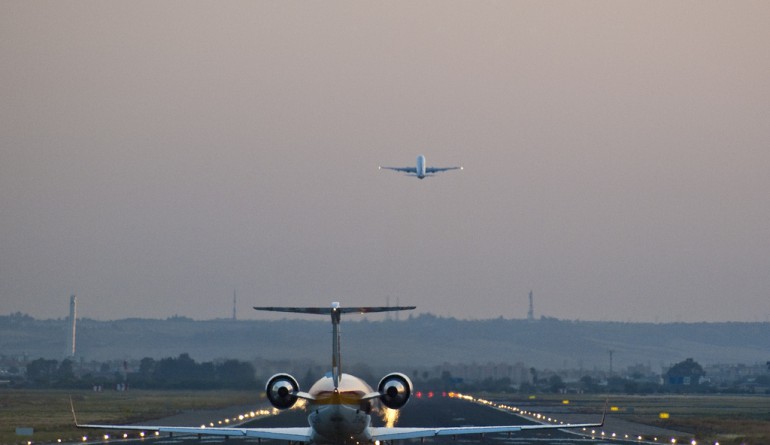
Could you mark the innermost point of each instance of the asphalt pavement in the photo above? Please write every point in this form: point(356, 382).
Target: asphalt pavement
point(428, 412)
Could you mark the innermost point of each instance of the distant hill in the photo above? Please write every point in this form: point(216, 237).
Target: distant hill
point(425, 340)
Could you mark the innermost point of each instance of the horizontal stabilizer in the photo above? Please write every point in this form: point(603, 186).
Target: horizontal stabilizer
point(328, 310)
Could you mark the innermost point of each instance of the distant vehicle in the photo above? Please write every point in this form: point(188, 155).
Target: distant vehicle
point(340, 405)
point(420, 170)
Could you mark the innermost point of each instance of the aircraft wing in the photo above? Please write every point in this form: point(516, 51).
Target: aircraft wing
point(416, 433)
point(384, 433)
point(440, 169)
point(412, 170)
point(301, 434)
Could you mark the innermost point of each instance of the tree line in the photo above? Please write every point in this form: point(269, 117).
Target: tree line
point(168, 373)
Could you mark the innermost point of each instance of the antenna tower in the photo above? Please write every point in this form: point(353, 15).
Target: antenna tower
point(531, 312)
point(234, 301)
point(72, 331)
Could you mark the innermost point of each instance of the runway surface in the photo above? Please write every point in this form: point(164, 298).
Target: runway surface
point(441, 411)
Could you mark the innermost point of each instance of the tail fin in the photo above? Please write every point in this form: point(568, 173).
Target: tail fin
point(335, 311)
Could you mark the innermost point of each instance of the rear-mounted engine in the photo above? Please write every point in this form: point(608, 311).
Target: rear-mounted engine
point(281, 390)
point(395, 390)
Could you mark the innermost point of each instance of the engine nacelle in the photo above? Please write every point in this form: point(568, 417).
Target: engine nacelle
point(281, 390)
point(395, 390)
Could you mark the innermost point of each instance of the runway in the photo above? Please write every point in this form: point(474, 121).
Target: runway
point(439, 411)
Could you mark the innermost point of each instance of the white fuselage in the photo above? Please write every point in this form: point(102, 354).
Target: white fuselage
point(420, 167)
point(340, 416)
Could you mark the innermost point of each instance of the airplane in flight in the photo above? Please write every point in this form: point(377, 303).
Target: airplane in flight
point(421, 171)
point(340, 405)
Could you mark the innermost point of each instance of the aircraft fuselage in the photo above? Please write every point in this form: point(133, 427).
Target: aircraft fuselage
point(421, 167)
point(340, 416)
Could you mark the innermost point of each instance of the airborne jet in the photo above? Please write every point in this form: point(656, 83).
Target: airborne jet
point(420, 170)
point(339, 404)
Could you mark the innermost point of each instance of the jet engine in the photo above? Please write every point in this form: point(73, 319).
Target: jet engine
point(281, 390)
point(395, 390)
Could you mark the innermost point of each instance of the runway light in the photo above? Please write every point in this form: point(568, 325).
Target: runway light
point(85, 438)
point(106, 437)
point(125, 435)
point(141, 434)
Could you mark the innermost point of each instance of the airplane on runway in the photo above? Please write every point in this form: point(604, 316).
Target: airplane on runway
point(420, 170)
point(340, 405)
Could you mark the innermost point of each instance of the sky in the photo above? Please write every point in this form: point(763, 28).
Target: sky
point(155, 157)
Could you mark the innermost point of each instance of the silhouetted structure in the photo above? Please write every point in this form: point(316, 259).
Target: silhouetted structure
point(531, 312)
point(70, 351)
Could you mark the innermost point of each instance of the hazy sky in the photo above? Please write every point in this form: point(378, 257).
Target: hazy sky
point(155, 156)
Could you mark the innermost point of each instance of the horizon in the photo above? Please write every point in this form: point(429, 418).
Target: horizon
point(381, 318)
